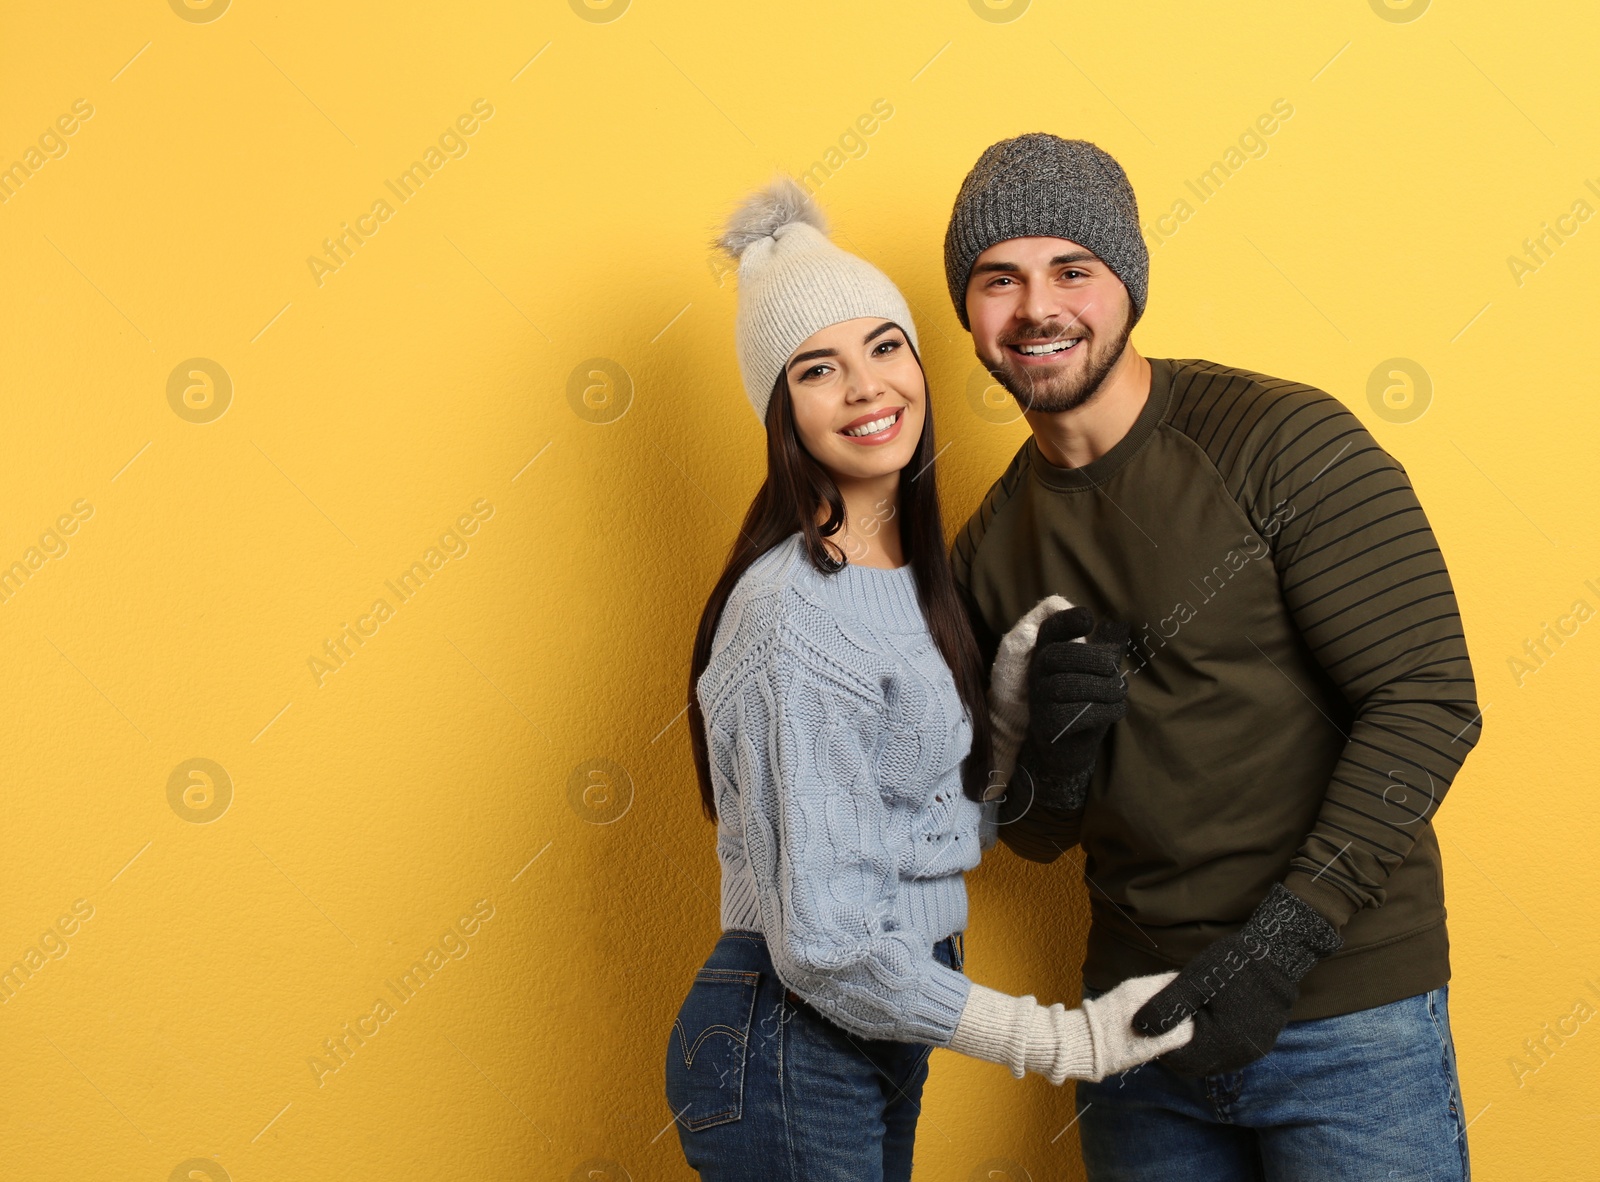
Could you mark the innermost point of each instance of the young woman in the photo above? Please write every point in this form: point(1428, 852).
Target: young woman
point(841, 738)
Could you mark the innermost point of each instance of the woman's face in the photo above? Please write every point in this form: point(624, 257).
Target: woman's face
point(859, 397)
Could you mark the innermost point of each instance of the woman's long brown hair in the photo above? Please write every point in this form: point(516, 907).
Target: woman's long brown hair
point(795, 488)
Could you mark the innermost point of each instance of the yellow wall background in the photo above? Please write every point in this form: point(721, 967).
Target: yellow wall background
point(218, 456)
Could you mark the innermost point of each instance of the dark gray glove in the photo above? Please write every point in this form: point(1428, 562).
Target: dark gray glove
point(1240, 988)
point(1075, 692)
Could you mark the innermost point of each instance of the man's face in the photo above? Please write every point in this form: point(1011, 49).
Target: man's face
point(1049, 320)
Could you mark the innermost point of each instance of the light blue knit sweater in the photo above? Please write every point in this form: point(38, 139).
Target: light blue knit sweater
point(836, 735)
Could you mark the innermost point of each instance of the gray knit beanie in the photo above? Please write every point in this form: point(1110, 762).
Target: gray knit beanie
point(793, 282)
point(1039, 184)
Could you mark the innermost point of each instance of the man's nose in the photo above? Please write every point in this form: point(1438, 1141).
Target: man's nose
point(1044, 307)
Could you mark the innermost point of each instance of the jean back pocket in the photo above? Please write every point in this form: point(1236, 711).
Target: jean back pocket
point(709, 1046)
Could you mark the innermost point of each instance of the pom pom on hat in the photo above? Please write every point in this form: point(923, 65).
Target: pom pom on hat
point(766, 211)
point(794, 282)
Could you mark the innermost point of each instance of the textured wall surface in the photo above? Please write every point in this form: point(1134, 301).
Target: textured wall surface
point(372, 436)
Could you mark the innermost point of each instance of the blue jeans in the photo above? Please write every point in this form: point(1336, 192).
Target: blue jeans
point(1365, 1096)
point(762, 1086)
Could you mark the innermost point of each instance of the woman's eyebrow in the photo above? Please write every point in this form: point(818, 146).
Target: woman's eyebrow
point(813, 354)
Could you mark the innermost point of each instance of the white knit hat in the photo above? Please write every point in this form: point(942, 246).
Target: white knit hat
point(793, 282)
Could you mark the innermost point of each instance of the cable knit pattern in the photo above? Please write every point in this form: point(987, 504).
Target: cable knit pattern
point(836, 737)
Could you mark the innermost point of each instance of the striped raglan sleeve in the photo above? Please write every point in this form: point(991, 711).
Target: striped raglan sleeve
point(1365, 581)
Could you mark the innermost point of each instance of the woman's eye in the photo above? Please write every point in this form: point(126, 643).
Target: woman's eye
point(887, 344)
point(815, 369)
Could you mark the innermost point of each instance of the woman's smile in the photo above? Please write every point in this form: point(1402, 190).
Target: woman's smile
point(885, 424)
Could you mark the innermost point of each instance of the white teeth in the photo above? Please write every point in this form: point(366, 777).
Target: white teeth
point(873, 427)
point(1049, 347)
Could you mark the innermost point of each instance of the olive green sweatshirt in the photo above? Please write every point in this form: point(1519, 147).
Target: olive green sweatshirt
point(1299, 691)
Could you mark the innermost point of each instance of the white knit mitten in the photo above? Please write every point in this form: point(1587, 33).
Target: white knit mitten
point(1090, 1043)
point(1118, 1046)
point(1008, 688)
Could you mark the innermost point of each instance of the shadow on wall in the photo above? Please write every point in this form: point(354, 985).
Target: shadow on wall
point(656, 455)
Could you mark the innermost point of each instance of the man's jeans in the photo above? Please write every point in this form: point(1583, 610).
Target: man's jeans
point(1366, 1096)
point(765, 1087)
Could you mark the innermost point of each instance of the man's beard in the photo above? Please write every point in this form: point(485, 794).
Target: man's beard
point(1074, 381)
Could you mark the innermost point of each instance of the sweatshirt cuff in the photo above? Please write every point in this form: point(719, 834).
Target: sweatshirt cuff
point(1326, 899)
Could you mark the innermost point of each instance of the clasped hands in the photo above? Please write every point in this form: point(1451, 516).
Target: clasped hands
point(1057, 687)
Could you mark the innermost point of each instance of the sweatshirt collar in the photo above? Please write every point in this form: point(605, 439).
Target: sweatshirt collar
point(1098, 471)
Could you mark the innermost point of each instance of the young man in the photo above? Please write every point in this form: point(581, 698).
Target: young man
point(1298, 699)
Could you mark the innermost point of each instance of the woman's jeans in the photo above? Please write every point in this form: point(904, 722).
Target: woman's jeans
point(1364, 1097)
point(762, 1086)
